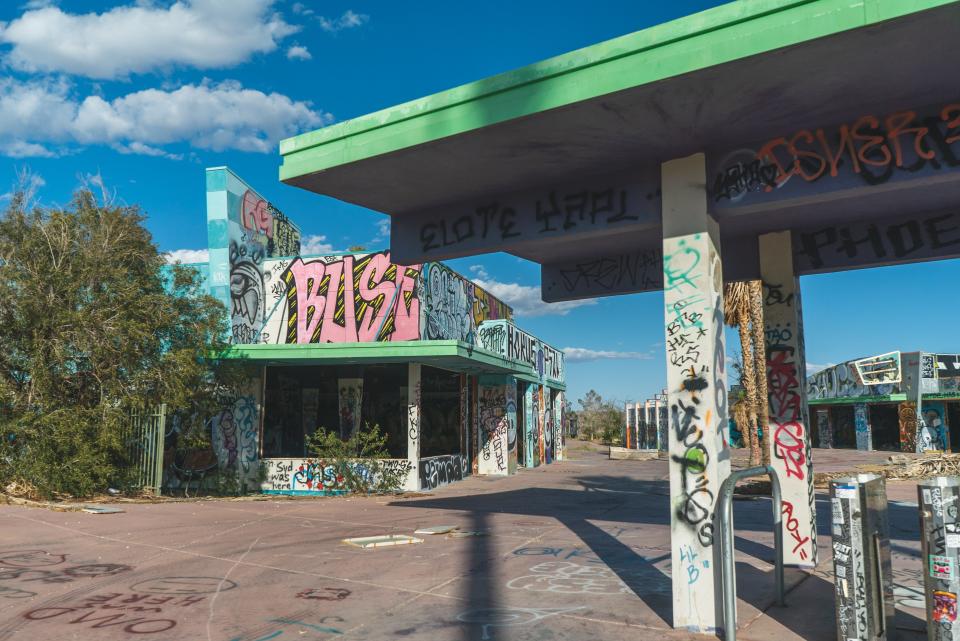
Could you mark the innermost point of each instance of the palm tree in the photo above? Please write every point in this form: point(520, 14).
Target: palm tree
point(760, 353)
point(737, 303)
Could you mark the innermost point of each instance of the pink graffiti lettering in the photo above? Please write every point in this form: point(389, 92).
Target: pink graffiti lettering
point(793, 527)
point(352, 300)
point(255, 214)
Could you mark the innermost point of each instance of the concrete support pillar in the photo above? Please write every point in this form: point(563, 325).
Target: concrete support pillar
point(558, 425)
point(861, 421)
point(825, 427)
point(696, 390)
point(541, 411)
point(788, 422)
point(531, 452)
point(498, 425)
point(413, 425)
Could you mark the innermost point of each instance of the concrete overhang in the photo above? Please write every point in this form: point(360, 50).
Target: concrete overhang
point(451, 355)
point(558, 162)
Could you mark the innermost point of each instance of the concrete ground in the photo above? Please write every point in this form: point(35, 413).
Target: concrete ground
point(577, 550)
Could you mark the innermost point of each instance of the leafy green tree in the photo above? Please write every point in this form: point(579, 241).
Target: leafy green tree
point(93, 324)
point(599, 419)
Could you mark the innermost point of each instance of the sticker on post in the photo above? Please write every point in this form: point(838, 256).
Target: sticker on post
point(837, 512)
point(926, 495)
point(944, 606)
point(841, 571)
point(837, 530)
point(953, 540)
point(941, 567)
point(845, 491)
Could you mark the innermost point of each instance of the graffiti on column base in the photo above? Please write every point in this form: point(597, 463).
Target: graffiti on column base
point(438, 471)
point(696, 504)
point(907, 417)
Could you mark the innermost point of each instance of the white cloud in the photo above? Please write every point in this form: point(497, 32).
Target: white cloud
point(383, 231)
point(297, 52)
point(813, 369)
point(301, 9)
point(348, 20)
point(583, 354)
point(315, 245)
point(188, 256)
point(205, 34)
point(525, 299)
point(38, 114)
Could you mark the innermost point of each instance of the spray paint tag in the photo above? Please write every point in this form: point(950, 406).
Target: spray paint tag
point(926, 495)
point(845, 491)
point(837, 512)
point(941, 567)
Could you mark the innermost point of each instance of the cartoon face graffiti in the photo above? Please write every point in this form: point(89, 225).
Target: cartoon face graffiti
point(944, 606)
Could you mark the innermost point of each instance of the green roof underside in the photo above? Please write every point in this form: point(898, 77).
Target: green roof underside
point(727, 33)
point(450, 355)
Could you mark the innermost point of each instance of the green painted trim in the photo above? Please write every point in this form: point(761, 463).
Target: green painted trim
point(723, 34)
point(890, 398)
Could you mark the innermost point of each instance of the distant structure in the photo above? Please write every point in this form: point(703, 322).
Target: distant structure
point(908, 401)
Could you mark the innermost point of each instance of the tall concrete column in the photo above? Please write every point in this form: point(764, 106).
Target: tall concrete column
point(696, 390)
point(825, 427)
point(413, 425)
point(788, 422)
point(861, 421)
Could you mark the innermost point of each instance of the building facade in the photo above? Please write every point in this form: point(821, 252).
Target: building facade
point(904, 401)
point(340, 341)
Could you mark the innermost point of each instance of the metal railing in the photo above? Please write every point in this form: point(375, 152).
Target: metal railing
point(145, 443)
point(725, 525)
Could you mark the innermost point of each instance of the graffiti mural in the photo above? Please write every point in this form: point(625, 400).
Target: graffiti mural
point(234, 433)
point(933, 431)
point(869, 150)
point(246, 290)
point(843, 381)
point(437, 471)
point(312, 476)
point(907, 416)
point(367, 298)
point(447, 305)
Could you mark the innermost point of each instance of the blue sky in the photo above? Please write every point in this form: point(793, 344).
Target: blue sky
point(142, 96)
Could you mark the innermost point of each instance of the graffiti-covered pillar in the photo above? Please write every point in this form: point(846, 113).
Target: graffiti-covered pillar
point(825, 428)
point(349, 401)
point(788, 421)
point(861, 421)
point(696, 390)
point(558, 425)
point(413, 424)
point(531, 449)
point(498, 424)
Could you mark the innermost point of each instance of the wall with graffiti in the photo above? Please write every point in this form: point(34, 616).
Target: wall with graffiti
point(307, 476)
point(235, 434)
point(506, 339)
point(367, 298)
point(844, 381)
point(277, 296)
point(243, 230)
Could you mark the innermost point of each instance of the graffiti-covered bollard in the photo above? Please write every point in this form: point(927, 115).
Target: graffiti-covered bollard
point(863, 577)
point(940, 543)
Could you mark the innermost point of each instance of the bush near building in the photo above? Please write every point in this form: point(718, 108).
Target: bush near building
point(92, 325)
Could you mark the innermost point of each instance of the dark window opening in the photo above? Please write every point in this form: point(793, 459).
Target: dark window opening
point(885, 426)
point(844, 427)
point(439, 412)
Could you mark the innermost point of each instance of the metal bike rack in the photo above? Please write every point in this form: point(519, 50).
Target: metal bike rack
point(725, 526)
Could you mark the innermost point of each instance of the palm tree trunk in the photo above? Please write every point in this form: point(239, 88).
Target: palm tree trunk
point(760, 353)
point(749, 386)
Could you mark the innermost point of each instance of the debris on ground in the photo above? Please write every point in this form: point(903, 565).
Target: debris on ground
point(100, 509)
point(384, 540)
point(436, 529)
